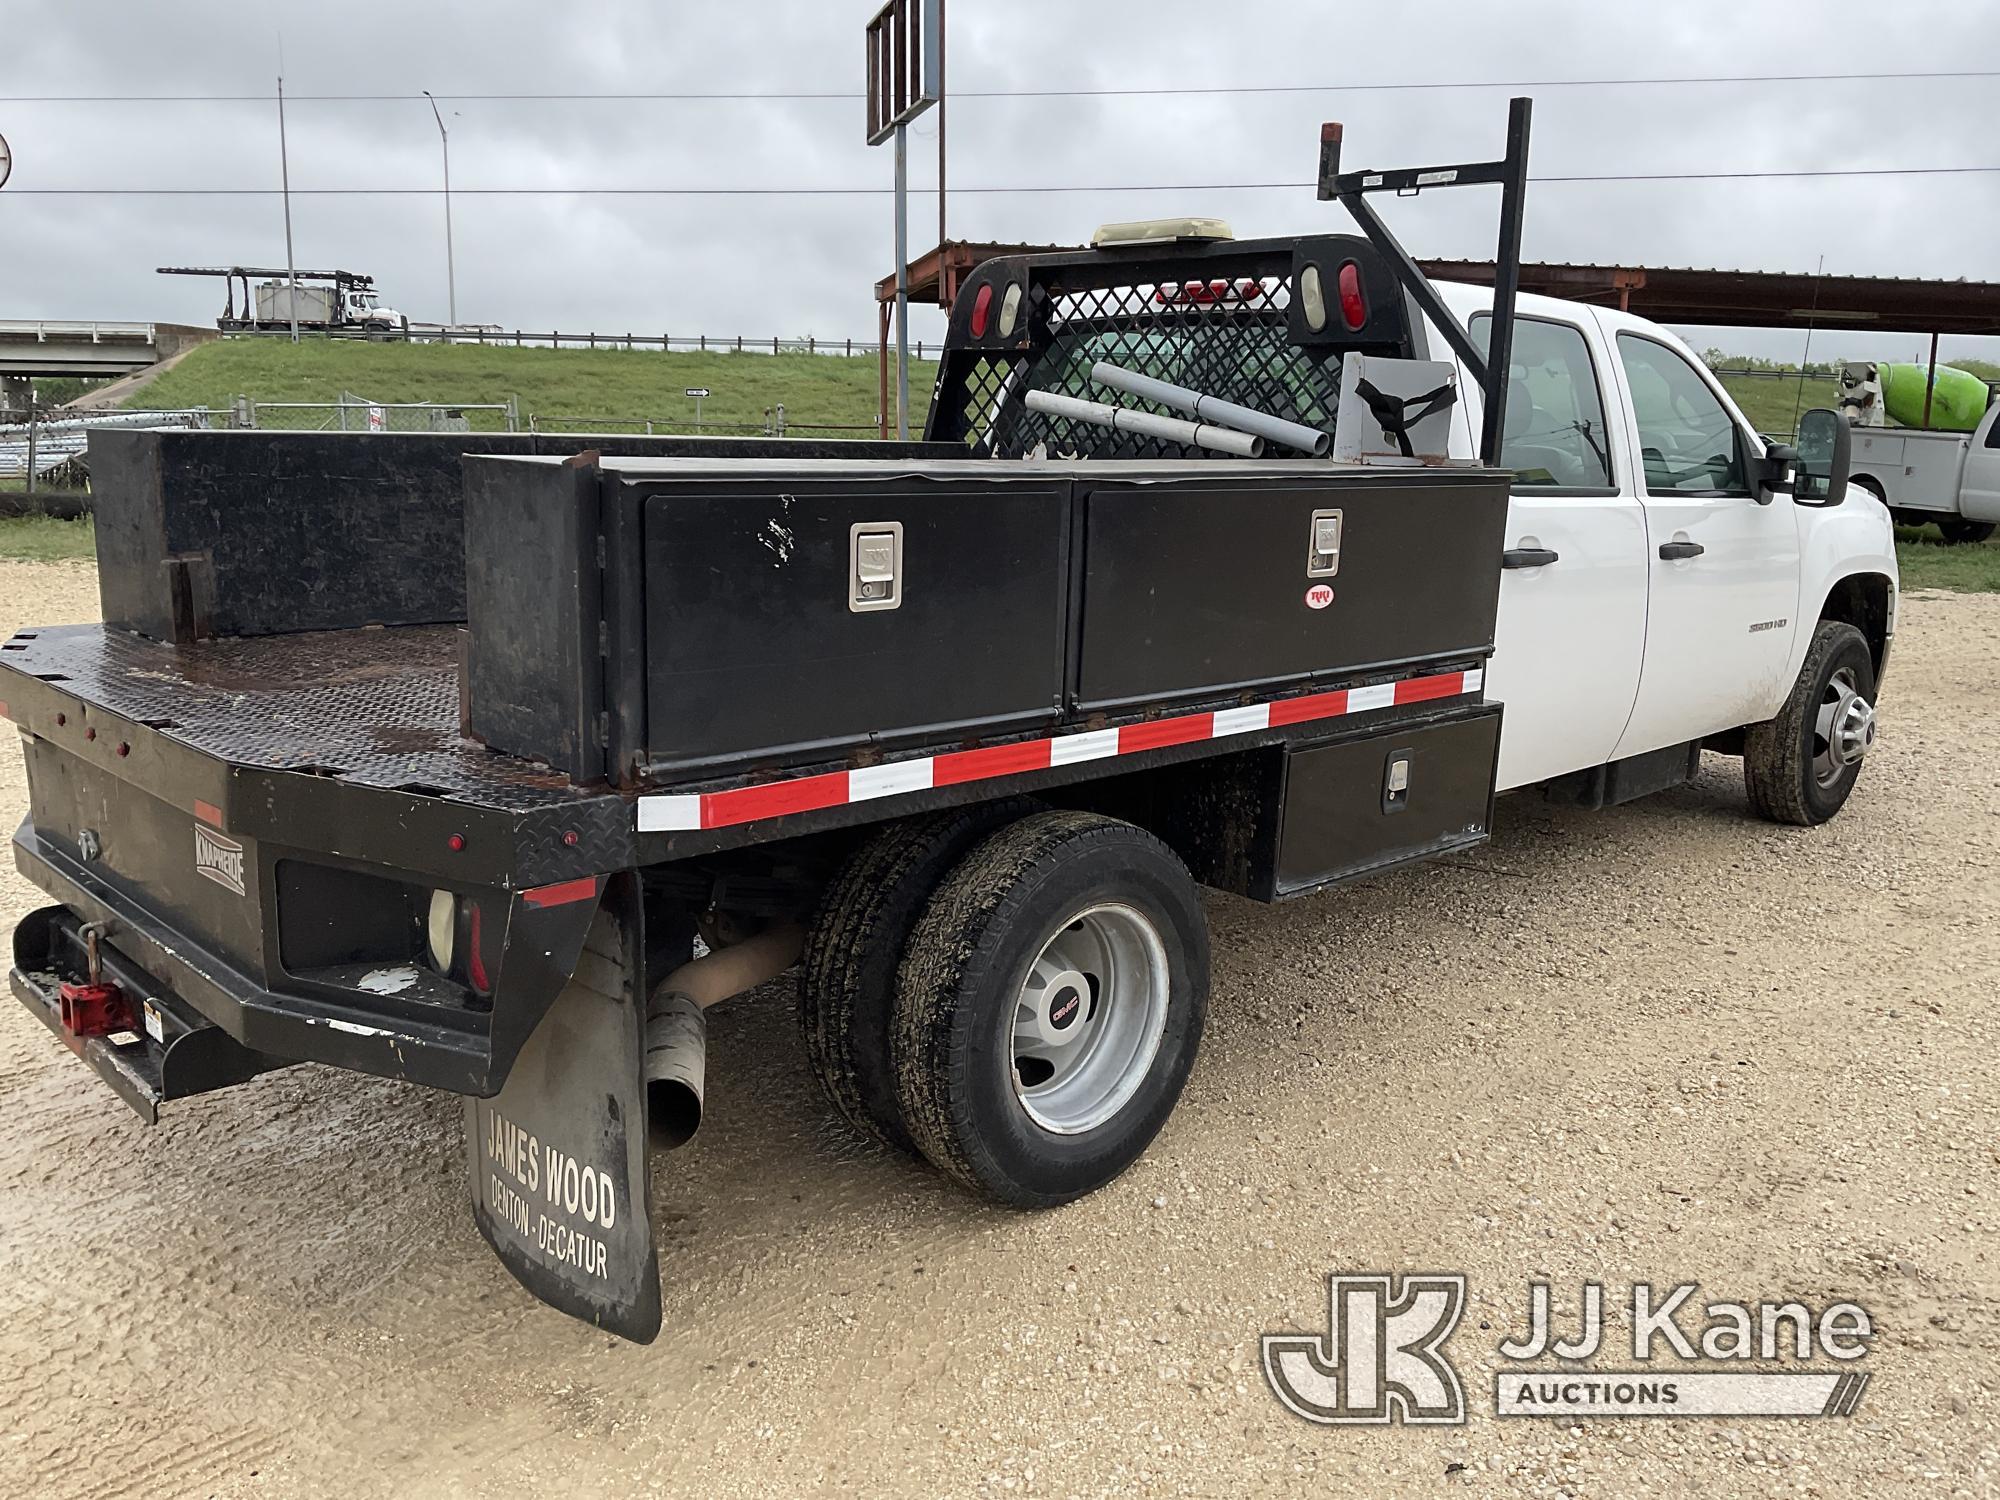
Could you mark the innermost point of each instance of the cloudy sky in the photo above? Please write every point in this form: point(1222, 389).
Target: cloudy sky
point(791, 263)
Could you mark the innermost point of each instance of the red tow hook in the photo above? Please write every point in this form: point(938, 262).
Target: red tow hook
point(95, 1008)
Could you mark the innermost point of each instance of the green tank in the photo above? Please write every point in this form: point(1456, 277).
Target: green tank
point(1957, 406)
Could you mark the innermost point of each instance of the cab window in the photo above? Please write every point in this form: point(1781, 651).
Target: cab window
point(1554, 437)
point(1688, 442)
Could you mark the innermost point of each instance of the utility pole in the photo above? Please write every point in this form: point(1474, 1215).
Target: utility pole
point(940, 120)
point(450, 271)
point(902, 283)
point(285, 170)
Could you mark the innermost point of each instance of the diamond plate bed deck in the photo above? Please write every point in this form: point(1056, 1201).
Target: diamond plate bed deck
point(374, 707)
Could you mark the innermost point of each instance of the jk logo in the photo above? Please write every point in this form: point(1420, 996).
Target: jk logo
point(1380, 1359)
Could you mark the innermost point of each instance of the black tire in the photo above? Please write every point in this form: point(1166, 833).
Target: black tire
point(1959, 532)
point(847, 978)
point(1779, 754)
point(962, 977)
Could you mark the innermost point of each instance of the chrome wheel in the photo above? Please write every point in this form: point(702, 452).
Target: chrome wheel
point(1089, 1019)
point(1843, 730)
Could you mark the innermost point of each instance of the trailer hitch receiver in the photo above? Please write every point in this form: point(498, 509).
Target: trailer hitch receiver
point(95, 1009)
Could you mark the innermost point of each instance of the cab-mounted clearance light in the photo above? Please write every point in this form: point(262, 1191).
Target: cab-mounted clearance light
point(1010, 310)
point(1312, 298)
point(1210, 293)
point(1188, 231)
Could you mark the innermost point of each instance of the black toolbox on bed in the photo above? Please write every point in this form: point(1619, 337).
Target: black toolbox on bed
point(660, 620)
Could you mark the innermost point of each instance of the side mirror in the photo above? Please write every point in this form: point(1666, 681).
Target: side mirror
point(1825, 449)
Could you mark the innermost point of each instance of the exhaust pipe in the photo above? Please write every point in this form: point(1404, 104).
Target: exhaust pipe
point(676, 1060)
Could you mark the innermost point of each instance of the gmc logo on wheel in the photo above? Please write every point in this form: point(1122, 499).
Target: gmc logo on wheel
point(220, 859)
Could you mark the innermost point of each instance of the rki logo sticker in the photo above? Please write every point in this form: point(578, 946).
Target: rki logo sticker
point(220, 859)
point(1380, 1360)
point(1319, 596)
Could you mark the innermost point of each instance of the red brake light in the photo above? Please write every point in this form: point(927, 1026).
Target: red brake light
point(982, 308)
point(1353, 305)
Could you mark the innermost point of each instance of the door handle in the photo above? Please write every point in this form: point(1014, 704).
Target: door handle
point(1676, 551)
point(1527, 557)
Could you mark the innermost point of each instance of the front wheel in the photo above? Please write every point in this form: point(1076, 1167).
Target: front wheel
point(1049, 1006)
point(1800, 766)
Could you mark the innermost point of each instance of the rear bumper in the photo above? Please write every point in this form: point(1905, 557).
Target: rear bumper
point(459, 1051)
point(175, 1052)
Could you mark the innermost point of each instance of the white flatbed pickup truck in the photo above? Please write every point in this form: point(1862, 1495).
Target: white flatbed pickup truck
point(958, 726)
point(1951, 478)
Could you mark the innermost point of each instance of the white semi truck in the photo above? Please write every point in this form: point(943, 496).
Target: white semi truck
point(341, 303)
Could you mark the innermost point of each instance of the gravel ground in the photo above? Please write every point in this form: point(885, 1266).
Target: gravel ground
point(1662, 1043)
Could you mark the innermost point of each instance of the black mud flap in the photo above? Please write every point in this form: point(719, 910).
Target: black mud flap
point(558, 1157)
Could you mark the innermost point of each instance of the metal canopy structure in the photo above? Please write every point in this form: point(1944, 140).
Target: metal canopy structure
point(935, 277)
point(1758, 299)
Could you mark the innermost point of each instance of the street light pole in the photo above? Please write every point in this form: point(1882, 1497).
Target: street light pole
point(450, 269)
point(285, 170)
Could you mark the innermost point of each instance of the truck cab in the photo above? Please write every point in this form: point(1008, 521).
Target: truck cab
point(1656, 592)
point(1661, 586)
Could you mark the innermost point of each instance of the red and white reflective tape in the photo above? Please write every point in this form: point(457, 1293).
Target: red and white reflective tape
point(682, 812)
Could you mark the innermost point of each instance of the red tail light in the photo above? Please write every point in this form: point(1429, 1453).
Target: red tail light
point(1205, 293)
point(982, 308)
point(1353, 305)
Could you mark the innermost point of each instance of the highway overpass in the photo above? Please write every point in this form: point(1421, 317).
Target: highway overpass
point(49, 347)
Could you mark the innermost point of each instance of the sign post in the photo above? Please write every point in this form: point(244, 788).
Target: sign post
point(700, 393)
point(905, 78)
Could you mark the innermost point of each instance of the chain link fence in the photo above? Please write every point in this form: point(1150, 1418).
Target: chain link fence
point(45, 450)
point(352, 413)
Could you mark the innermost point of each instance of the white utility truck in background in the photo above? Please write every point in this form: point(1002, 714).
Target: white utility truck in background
point(1948, 474)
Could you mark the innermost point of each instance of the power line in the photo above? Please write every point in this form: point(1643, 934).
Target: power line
point(731, 96)
point(876, 192)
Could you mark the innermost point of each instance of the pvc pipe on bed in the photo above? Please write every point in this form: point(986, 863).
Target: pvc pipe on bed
point(1213, 409)
point(1147, 424)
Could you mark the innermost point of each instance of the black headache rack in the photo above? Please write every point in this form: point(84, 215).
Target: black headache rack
point(1229, 319)
point(1222, 318)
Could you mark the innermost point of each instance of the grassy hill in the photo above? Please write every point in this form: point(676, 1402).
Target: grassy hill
point(559, 386)
point(556, 386)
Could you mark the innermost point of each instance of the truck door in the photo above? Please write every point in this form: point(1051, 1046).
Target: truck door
point(1979, 494)
point(1572, 621)
point(1724, 593)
